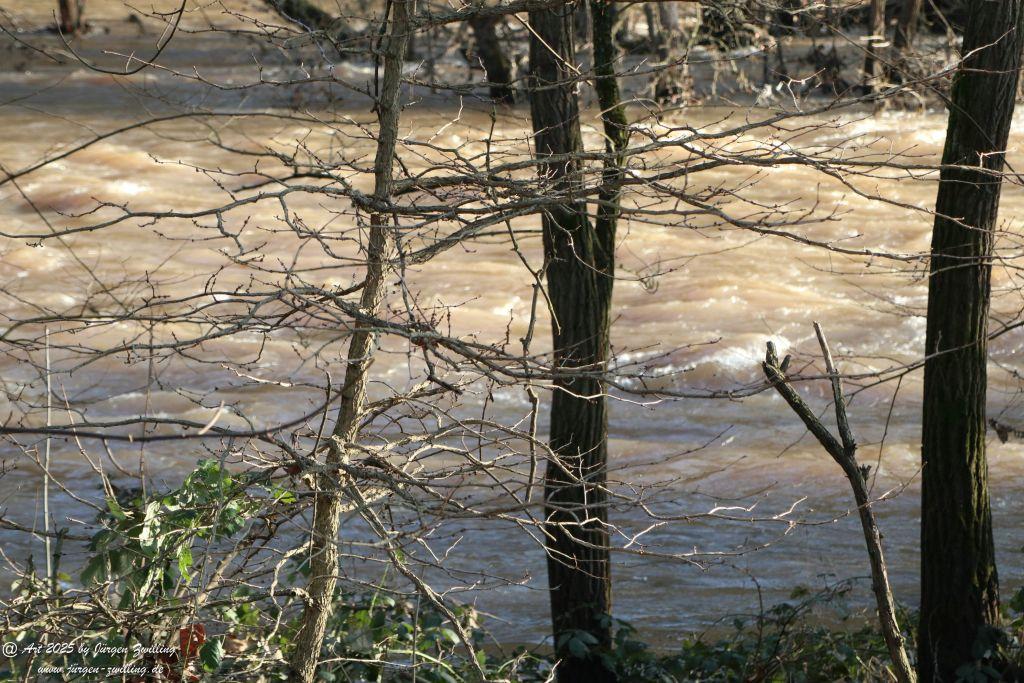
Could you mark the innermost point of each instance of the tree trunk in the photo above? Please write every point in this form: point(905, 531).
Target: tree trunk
point(959, 586)
point(579, 265)
point(947, 13)
point(329, 494)
point(669, 82)
point(903, 40)
point(581, 23)
point(876, 33)
point(668, 18)
point(496, 64)
point(906, 25)
point(654, 36)
point(70, 16)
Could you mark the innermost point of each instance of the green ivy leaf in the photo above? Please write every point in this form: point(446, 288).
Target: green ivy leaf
point(211, 654)
point(185, 562)
point(578, 648)
point(95, 570)
point(115, 509)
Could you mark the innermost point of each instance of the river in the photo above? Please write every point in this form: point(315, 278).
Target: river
point(699, 302)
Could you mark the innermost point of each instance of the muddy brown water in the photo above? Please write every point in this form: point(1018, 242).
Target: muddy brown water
point(701, 303)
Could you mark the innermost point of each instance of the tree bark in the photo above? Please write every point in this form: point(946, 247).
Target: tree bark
point(876, 33)
point(494, 60)
point(70, 16)
point(959, 585)
point(579, 265)
point(582, 23)
point(329, 499)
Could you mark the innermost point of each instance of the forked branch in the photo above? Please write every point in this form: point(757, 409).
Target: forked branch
point(844, 451)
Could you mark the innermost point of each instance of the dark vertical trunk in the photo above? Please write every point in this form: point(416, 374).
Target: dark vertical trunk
point(653, 30)
point(616, 131)
point(581, 23)
point(959, 586)
point(494, 60)
point(668, 18)
point(906, 24)
point(70, 16)
point(903, 39)
point(876, 33)
point(579, 266)
point(947, 13)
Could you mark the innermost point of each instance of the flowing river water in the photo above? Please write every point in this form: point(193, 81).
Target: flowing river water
point(707, 299)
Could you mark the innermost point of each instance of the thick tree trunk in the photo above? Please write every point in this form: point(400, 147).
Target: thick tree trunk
point(329, 494)
point(579, 265)
point(494, 60)
point(70, 16)
point(876, 33)
point(959, 586)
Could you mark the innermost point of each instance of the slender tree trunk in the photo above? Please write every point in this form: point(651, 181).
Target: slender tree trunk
point(906, 25)
point(903, 39)
point(959, 586)
point(876, 33)
point(654, 36)
point(495, 62)
point(579, 265)
point(70, 16)
point(581, 23)
point(668, 17)
point(329, 498)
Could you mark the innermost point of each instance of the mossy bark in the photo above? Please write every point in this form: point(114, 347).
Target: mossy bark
point(959, 585)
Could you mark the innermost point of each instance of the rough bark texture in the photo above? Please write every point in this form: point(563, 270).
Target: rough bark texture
point(579, 264)
point(330, 490)
point(959, 586)
point(493, 58)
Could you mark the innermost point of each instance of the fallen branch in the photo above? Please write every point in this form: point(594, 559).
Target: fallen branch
point(843, 450)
